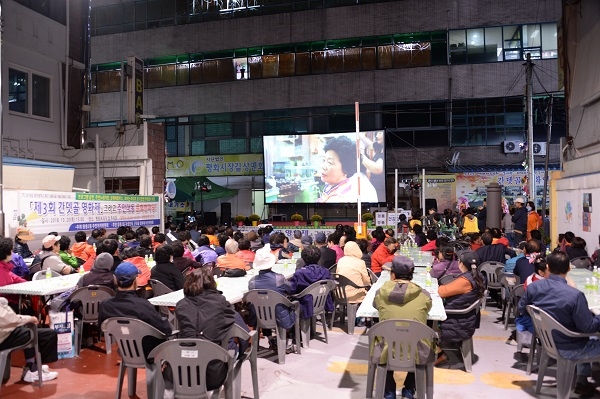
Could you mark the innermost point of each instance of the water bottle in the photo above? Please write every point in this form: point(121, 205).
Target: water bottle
point(94, 246)
point(594, 284)
point(595, 272)
point(146, 258)
point(150, 258)
point(81, 270)
point(48, 273)
point(428, 281)
point(588, 286)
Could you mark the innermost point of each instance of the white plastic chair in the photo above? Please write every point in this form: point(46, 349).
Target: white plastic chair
point(545, 325)
point(492, 272)
point(320, 292)
point(402, 338)
point(264, 302)
point(189, 359)
point(347, 309)
point(158, 289)
point(41, 275)
point(466, 346)
point(128, 333)
point(90, 298)
point(250, 354)
point(31, 343)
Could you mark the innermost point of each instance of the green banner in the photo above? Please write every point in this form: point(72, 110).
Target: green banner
point(216, 165)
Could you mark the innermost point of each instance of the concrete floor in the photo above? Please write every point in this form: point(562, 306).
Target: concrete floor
point(330, 371)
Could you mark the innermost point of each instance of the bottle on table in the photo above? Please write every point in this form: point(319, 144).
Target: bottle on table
point(81, 270)
point(48, 273)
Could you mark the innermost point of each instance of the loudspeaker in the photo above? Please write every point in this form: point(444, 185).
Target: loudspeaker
point(430, 203)
point(226, 213)
point(210, 218)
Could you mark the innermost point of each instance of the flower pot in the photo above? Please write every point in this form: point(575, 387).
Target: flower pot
point(369, 223)
point(254, 223)
point(240, 224)
point(316, 223)
point(296, 223)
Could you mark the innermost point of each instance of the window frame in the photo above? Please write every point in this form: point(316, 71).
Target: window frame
point(29, 114)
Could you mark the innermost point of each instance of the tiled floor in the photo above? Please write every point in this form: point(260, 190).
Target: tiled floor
point(329, 371)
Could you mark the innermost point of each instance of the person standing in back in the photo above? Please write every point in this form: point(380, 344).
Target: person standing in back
point(519, 220)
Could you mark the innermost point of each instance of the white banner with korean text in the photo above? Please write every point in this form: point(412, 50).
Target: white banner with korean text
point(44, 211)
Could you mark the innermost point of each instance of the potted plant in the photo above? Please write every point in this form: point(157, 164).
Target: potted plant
point(296, 218)
point(316, 219)
point(254, 218)
point(368, 218)
point(240, 219)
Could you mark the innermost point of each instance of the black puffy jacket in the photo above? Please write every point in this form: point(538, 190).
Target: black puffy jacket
point(459, 327)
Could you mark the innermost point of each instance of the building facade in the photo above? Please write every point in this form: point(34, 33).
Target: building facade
point(434, 74)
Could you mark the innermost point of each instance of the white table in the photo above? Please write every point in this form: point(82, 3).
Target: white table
point(233, 288)
point(43, 287)
point(593, 297)
point(437, 312)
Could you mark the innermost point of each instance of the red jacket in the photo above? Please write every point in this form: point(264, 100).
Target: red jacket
point(379, 257)
point(7, 277)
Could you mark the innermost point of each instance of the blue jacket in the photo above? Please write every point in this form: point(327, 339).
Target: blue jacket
point(520, 219)
point(269, 280)
point(21, 269)
point(304, 277)
point(566, 304)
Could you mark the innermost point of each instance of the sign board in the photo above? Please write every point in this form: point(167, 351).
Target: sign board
point(135, 89)
point(44, 211)
point(216, 165)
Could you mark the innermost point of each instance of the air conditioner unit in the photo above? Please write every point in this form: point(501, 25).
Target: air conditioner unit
point(511, 147)
point(539, 148)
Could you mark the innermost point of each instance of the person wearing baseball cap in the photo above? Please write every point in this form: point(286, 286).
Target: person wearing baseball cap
point(49, 257)
point(461, 293)
point(400, 298)
point(519, 220)
point(126, 303)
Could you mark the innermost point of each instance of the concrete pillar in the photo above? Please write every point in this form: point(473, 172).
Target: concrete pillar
point(494, 205)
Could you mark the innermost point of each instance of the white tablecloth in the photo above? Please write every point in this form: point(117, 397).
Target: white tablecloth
point(43, 287)
point(233, 288)
point(437, 311)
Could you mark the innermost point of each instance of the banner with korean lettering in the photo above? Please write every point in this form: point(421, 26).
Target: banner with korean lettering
point(44, 211)
point(471, 186)
point(442, 188)
point(216, 165)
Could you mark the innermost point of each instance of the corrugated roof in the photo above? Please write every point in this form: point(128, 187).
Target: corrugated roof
point(34, 163)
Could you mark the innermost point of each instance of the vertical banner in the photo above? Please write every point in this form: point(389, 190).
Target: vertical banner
point(135, 89)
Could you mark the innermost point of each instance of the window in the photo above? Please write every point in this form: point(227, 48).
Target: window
point(502, 43)
point(28, 93)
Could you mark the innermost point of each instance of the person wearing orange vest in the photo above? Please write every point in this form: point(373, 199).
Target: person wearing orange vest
point(534, 220)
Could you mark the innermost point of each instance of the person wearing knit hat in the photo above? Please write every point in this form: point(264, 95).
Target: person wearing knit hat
point(100, 273)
